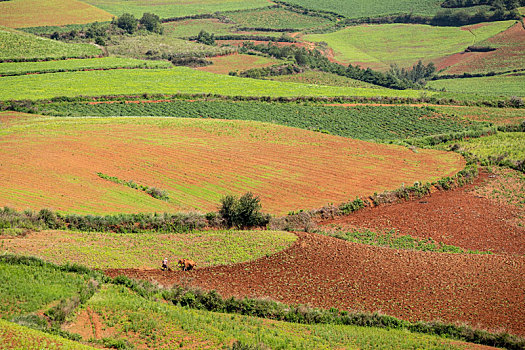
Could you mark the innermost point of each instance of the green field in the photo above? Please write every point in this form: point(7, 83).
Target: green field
point(378, 46)
point(360, 122)
point(323, 78)
point(500, 85)
point(146, 251)
point(167, 81)
point(276, 18)
point(174, 8)
point(25, 288)
point(15, 45)
point(20, 68)
point(192, 27)
point(497, 116)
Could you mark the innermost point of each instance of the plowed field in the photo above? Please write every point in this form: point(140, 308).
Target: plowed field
point(485, 291)
point(54, 163)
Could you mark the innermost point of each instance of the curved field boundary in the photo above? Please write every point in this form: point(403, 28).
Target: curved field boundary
point(197, 162)
point(484, 291)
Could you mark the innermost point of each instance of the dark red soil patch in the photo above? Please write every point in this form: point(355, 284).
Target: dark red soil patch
point(458, 217)
point(485, 291)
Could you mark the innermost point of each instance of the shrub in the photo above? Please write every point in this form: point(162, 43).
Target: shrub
point(151, 22)
point(243, 212)
point(128, 22)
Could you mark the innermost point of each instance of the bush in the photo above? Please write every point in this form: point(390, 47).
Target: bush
point(151, 22)
point(128, 22)
point(242, 212)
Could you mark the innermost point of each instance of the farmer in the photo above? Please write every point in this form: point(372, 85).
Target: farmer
point(164, 264)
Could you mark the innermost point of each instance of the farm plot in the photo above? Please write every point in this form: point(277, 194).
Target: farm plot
point(36, 13)
point(322, 78)
point(197, 162)
point(509, 45)
point(500, 85)
point(359, 122)
point(146, 251)
point(167, 81)
point(378, 46)
point(498, 116)
point(174, 8)
point(192, 27)
point(276, 18)
point(229, 63)
point(20, 68)
point(20, 46)
point(484, 291)
point(15, 337)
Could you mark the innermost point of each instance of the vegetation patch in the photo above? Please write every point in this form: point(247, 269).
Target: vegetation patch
point(192, 27)
point(147, 250)
point(323, 78)
point(33, 13)
point(152, 191)
point(276, 18)
point(501, 85)
point(506, 186)
point(229, 63)
point(19, 46)
point(497, 116)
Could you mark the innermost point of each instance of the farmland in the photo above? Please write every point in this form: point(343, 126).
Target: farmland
point(178, 79)
point(19, 46)
point(106, 250)
point(20, 68)
point(498, 116)
point(378, 46)
point(276, 18)
point(172, 8)
point(323, 78)
point(229, 63)
point(504, 85)
point(359, 122)
point(290, 168)
point(192, 27)
point(33, 13)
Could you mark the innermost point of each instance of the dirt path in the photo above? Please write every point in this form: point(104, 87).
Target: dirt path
point(459, 217)
point(483, 291)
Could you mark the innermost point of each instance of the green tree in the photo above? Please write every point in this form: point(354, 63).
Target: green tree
point(242, 212)
point(128, 22)
point(151, 22)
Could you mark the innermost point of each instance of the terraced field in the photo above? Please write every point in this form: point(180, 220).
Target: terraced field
point(502, 85)
point(197, 162)
point(378, 46)
point(146, 251)
point(37, 13)
point(192, 27)
point(498, 116)
point(15, 45)
point(236, 62)
point(174, 8)
point(276, 18)
point(178, 79)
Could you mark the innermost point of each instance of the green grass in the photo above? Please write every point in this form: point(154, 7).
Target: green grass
point(174, 8)
point(167, 81)
point(498, 116)
point(379, 46)
point(15, 337)
point(372, 8)
point(360, 122)
point(323, 78)
point(500, 85)
point(158, 324)
point(26, 289)
point(276, 18)
point(161, 46)
point(19, 68)
point(15, 45)
point(107, 250)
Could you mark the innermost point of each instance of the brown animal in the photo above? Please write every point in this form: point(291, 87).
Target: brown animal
point(186, 264)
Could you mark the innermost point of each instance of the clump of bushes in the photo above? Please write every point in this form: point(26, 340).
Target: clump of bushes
point(243, 212)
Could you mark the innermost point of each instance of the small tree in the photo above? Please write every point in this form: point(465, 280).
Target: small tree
point(206, 38)
point(151, 22)
point(243, 212)
point(128, 22)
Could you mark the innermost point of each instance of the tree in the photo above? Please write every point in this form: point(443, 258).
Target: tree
point(242, 212)
point(206, 38)
point(128, 22)
point(151, 22)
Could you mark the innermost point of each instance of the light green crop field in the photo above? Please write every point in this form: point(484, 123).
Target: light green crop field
point(276, 18)
point(378, 46)
point(146, 251)
point(174, 8)
point(19, 68)
point(500, 85)
point(19, 45)
point(167, 81)
point(15, 337)
point(26, 289)
point(192, 27)
point(168, 326)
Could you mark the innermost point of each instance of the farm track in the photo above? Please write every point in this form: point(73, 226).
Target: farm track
point(484, 291)
point(459, 217)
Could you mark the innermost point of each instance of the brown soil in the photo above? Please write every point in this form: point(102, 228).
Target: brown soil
point(485, 291)
point(459, 217)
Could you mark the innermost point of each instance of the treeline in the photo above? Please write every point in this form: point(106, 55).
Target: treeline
point(496, 4)
point(314, 59)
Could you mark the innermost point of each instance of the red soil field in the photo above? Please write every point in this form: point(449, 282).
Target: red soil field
point(458, 217)
point(484, 291)
point(510, 45)
point(237, 62)
point(54, 163)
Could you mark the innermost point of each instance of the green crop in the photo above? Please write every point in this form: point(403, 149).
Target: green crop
point(276, 18)
point(499, 85)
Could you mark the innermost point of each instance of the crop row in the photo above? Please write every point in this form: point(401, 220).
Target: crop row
point(360, 122)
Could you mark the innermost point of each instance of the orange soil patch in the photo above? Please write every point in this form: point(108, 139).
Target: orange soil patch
point(237, 62)
point(54, 163)
point(459, 217)
point(484, 291)
point(510, 46)
point(6, 118)
point(36, 13)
